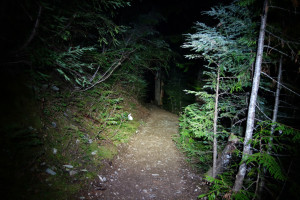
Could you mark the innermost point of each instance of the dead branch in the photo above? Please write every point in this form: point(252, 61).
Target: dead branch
point(33, 32)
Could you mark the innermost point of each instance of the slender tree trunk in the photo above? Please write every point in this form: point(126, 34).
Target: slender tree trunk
point(274, 119)
point(275, 110)
point(158, 93)
point(251, 110)
point(215, 147)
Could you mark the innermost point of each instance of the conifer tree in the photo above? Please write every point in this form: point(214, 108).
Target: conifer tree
point(227, 48)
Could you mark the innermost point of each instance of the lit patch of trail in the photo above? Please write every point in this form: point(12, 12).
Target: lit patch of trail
point(151, 167)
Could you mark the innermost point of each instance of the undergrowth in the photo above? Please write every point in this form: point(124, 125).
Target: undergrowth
point(79, 130)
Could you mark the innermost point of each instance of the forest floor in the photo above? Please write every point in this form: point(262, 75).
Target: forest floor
point(150, 166)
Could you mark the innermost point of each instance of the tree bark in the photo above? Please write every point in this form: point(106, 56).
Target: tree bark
point(224, 159)
point(275, 110)
point(215, 145)
point(251, 110)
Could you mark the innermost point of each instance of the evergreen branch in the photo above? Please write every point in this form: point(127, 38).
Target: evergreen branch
point(269, 163)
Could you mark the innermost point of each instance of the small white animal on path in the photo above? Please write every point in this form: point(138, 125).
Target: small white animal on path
point(130, 117)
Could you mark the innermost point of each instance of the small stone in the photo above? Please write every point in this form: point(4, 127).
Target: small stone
point(54, 151)
point(53, 124)
point(102, 179)
point(50, 171)
point(130, 117)
point(90, 141)
point(68, 166)
point(94, 153)
point(72, 172)
point(54, 88)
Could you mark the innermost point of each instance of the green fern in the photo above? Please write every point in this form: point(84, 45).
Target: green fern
point(269, 162)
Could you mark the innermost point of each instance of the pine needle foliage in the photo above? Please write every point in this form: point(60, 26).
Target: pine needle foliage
point(227, 46)
point(271, 146)
point(81, 42)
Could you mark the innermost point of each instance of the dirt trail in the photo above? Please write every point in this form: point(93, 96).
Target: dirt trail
point(151, 167)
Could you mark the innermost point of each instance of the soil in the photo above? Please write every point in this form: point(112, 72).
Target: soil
point(150, 167)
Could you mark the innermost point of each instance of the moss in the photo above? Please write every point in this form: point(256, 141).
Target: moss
point(107, 151)
point(90, 175)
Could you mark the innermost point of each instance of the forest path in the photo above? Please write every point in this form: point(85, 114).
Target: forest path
point(151, 167)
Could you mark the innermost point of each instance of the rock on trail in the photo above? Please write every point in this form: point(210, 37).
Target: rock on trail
point(151, 167)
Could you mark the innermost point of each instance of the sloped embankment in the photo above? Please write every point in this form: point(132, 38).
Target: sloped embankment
point(150, 167)
point(54, 142)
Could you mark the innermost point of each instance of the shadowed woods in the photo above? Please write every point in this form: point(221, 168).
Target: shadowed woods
point(76, 75)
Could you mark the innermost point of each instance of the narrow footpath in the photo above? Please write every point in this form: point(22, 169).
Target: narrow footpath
point(151, 167)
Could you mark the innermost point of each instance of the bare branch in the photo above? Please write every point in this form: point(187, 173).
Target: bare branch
point(280, 84)
point(240, 121)
point(111, 69)
point(280, 38)
point(93, 77)
point(277, 50)
point(263, 112)
point(286, 10)
point(266, 90)
point(33, 30)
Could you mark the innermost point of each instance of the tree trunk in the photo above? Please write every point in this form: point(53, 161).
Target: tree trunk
point(215, 147)
point(251, 110)
point(274, 119)
point(275, 110)
point(158, 88)
point(224, 159)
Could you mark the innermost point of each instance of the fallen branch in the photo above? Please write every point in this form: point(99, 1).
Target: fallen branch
point(111, 69)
